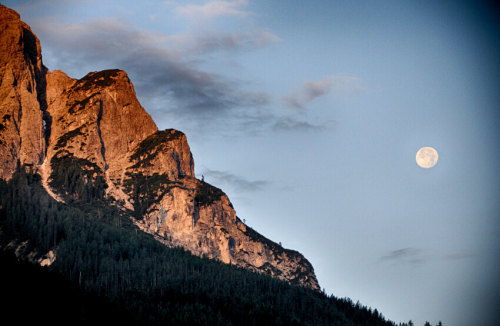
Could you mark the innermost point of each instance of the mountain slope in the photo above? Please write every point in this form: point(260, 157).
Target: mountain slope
point(108, 271)
point(91, 141)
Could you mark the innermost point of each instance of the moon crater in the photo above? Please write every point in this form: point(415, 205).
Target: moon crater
point(427, 157)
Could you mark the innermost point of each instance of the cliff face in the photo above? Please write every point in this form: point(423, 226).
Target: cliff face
point(96, 121)
point(22, 95)
point(200, 217)
point(90, 138)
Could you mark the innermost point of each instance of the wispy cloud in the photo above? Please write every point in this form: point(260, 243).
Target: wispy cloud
point(237, 41)
point(311, 90)
point(213, 8)
point(264, 121)
point(404, 255)
point(418, 256)
point(159, 67)
point(167, 73)
point(291, 124)
point(237, 182)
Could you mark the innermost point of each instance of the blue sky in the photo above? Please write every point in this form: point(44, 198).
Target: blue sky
point(309, 115)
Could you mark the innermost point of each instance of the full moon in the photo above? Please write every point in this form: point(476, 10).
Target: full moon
point(427, 157)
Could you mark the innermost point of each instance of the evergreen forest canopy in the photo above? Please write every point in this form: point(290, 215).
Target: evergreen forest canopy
point(108, 270)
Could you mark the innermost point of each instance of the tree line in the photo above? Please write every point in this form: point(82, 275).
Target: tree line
point(107, 265)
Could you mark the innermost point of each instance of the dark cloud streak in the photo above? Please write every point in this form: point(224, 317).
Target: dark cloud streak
point(310, 90)
point(404, 255)
point(234, 42)
point(166, 73)
point(291, 124)
point(239, 183)
point(158, 69)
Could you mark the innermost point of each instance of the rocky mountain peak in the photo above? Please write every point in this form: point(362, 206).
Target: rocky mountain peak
point(90, 139)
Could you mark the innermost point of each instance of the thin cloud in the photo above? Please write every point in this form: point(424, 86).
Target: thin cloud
point(157, 67)
point(291, 124)
point(262, 121)
point(165, 70)
point(43, 5)
point(404, 255)
point(238, 41)
point(417, 256)
point(237, 182)
point(310, 90)
point(214, 8)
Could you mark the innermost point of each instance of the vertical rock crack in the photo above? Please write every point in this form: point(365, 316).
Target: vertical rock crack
point(103, 148)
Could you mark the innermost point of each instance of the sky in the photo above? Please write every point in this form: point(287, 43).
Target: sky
point(309, 114)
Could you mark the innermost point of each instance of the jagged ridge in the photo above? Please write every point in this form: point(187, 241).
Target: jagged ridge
point(92, 140)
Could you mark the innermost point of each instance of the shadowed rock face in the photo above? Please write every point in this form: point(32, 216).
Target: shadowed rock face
point(96, 124)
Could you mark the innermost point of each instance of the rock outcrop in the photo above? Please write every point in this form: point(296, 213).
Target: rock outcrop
point(90, 139)
point(22, 95)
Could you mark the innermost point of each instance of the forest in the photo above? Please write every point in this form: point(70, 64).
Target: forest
point(106, 269)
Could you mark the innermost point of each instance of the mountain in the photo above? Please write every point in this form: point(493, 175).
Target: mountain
point(90, 140)
point(102, 219)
